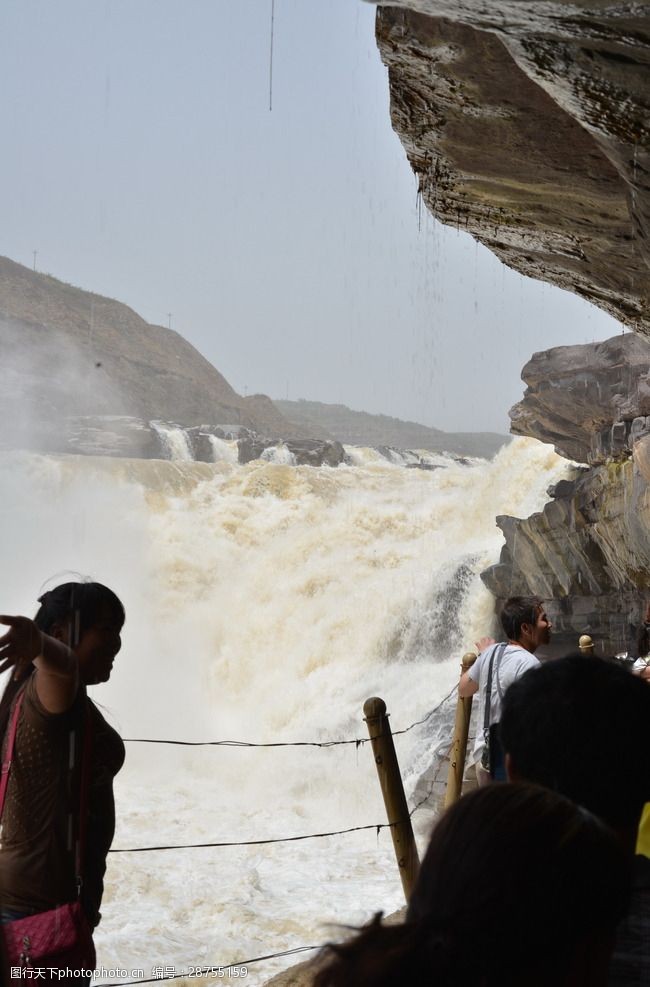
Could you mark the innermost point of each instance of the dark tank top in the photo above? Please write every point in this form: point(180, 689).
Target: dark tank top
point(38, 830)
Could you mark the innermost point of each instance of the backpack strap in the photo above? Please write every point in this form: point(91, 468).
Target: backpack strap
point(495, 659)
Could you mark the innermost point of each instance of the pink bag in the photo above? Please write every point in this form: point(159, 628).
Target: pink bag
point(59, 940)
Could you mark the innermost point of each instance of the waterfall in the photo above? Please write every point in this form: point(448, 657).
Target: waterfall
point(174, 441)
point(223, 451)
point(264, 603)
point(279, 454)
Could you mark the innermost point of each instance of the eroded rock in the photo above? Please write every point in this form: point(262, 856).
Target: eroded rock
point(527, 124)
point(295, 452)
point(591, 401)
point(587, 554)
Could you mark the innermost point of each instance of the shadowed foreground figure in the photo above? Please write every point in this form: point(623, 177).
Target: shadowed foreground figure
point(49, 856)
point(580, 726)
point(519, 886)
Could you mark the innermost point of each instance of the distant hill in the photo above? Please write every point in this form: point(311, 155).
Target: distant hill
point(66, 351)
point(336, 421)
point(70, 354)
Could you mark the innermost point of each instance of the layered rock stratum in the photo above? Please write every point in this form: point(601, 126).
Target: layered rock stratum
point(588, 552)
point(528, 125)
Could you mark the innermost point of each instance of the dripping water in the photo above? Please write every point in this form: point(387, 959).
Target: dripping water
point(271, 57)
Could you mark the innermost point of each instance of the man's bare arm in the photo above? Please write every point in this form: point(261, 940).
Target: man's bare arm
point(467, 686)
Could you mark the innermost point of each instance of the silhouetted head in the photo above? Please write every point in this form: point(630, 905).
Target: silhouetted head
point(518, 886)
point(524, 620)
point(86, 616)
point(83, 603)
point(579, 726)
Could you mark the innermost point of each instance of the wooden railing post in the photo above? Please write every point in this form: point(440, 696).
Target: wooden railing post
point(586, 645)
point(458, 750)
point(390, 780)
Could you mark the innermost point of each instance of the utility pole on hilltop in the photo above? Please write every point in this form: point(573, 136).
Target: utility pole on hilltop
point(169, 320)
point(34, 253)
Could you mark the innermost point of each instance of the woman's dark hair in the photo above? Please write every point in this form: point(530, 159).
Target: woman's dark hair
point(515, 877)
point(84, 604)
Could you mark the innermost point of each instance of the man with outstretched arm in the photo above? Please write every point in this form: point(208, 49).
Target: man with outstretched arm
point(526, 628)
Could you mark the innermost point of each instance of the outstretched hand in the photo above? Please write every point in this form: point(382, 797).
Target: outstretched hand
point(21, 644)
point(483, 643)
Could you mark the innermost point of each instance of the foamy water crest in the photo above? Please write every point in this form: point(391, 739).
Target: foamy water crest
point(223, 450)
point(264, 603)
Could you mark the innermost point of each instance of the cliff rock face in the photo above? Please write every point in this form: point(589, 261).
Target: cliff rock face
point(587, 554)
point(591, 402)
point(528, 124)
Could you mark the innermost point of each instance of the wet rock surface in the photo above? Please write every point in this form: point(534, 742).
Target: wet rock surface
point(296, 452)
point(587, 554)
point(592, 401)
point(527, 124)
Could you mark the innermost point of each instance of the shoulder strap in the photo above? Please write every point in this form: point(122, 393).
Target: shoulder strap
point(6, 764)
point(83, 794)
point(497, 666)
point(497, 653)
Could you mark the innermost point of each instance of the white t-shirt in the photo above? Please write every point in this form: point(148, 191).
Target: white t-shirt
point(514, 661)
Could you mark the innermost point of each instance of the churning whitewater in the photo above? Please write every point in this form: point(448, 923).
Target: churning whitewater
point(264, 603)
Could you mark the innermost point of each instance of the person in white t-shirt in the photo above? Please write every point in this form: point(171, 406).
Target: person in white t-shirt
point(527, 628)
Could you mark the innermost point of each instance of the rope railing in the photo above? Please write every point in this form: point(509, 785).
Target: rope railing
point(220, 970)
point(288, 839)
point(215, 970)
point(357, 741)
point(161, 973)
point(279, 839)
point(377, 827)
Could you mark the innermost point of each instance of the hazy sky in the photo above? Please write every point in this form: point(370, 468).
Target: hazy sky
point(141, 161)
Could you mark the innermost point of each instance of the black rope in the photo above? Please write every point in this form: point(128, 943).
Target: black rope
point(244, 743)
point(290, 839)
point(443, 756)
point(209, 970)
point(358, 741)
point(286, 839)
point(424, 719)
point(283, 839)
